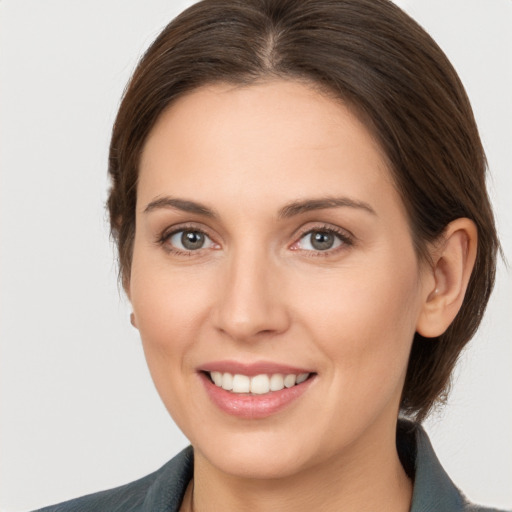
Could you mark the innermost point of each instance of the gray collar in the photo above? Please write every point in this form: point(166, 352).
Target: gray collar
point(433, 489)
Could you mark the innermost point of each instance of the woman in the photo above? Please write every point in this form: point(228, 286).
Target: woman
point(298, 197)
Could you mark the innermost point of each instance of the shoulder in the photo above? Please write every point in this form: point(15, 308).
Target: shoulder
point(162, 491)
point(477, 508)
point(471, 507)
point(433, 489)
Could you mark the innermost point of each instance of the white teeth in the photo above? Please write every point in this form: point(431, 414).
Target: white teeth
point(259, 384)
point(302, 377)
point(217, 378)
point(241, 383)
point(276, 382)
point(289, 380)
point(227, 381)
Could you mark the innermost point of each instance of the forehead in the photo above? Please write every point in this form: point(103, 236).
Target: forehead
point(285, 137)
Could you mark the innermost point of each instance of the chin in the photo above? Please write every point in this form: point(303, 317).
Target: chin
point(257, 456)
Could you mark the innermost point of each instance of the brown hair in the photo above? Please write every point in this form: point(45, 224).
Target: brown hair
point(375, 58)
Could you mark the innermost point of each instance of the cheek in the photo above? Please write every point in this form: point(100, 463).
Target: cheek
point(364, 319)
point(170, 305)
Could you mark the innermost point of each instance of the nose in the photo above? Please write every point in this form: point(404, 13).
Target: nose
point(251, 298)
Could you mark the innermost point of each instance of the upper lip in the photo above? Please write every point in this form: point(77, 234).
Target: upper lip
point(252, 369)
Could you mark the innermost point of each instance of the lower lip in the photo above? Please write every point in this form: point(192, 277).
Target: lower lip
point(253, 406)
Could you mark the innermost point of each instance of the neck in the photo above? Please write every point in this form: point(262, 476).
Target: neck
point(367, 477)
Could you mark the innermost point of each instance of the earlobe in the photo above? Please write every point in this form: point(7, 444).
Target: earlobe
point(453, 259)
point(126, 286)
point(133, 321)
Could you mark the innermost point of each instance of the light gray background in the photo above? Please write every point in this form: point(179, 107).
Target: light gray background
point(78, 408)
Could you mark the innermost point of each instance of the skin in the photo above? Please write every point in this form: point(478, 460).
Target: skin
point(258, 290)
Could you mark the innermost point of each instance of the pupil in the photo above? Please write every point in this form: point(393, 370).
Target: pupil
point(322, 241)
point(192, 240)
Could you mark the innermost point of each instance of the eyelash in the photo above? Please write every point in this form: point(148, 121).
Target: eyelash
point(345, 238)
point(166, 235)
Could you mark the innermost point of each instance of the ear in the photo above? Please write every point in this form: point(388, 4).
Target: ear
point(133, 321)
point(453, 259)
point(126, 287)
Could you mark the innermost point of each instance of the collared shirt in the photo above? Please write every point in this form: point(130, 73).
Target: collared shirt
point(163, 490)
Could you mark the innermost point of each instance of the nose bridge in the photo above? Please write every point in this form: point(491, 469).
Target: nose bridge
point(250, 302)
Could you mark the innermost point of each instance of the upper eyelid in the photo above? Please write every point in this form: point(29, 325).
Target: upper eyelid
point(341, 237)
point(343, 232)
point(172, 230)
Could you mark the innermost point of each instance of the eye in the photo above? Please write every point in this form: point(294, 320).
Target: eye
point(189, 240)
point(321, 240)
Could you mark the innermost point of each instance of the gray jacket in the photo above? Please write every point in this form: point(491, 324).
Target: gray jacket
point(163, 490)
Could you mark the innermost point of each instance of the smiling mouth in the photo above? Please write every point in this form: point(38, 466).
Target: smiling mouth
point(262, 384)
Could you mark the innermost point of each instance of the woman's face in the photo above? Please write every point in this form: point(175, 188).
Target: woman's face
point(271, 243)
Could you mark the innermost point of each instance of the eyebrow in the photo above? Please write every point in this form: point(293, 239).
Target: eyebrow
point(290, 210)
point(307, 205)
point(184, 205)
